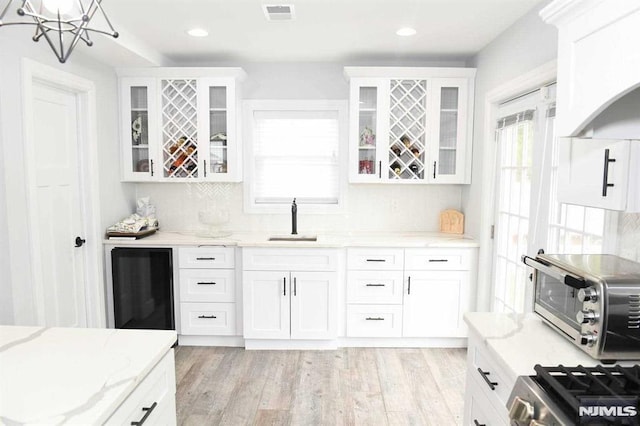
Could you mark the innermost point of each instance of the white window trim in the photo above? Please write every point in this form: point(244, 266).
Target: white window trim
point(534, 78)
point(249, 107)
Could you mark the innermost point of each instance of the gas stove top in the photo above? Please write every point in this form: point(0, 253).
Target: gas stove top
point(577, 396)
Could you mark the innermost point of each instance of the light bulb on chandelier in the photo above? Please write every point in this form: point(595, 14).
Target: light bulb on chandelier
point(62, 23)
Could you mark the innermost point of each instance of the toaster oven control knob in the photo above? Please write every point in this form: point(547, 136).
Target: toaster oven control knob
point(588, 294)
point(586, 317)
point(588, 339)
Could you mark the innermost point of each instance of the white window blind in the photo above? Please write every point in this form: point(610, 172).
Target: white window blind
point(296, 156)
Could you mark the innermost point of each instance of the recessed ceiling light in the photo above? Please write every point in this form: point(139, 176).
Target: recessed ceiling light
point(198, 32)
point(406, 32)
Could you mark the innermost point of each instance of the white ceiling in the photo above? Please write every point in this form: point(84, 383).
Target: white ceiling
point(324, 30)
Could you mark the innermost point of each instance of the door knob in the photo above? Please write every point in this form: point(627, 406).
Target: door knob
point(80, 242)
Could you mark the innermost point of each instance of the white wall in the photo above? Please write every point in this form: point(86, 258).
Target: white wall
point(375, 208)
point(16, 44)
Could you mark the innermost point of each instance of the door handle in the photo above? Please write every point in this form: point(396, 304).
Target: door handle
point(80, 242)
point(295, 286)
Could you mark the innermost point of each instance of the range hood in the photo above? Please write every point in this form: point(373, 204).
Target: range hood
point(598, 57)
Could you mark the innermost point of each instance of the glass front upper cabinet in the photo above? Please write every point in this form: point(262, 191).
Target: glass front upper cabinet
point(217, 161)
point(448, 154)
point(138, 136)
point(367, 131)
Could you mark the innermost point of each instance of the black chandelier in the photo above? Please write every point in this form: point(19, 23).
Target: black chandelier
point(62, 23)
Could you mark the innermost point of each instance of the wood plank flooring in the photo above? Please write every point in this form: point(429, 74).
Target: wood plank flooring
point(348, 386)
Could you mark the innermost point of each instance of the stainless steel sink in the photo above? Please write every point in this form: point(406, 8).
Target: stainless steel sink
point(294, 238)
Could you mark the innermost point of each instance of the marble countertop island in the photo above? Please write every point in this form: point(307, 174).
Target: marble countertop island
point(73, 375)
point(328, 240)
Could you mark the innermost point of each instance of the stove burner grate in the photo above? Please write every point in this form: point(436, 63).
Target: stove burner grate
point(574, 387)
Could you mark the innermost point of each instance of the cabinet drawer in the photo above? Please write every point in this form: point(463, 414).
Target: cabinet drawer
point(207, 319)
point(382, 287)
point(159, 388)
point(438, 259)
point(479, 409)
point(206, 257)
point(299, 259)
point(207, 285)
point(375, 259)
point(374, 321)
point(485, 371)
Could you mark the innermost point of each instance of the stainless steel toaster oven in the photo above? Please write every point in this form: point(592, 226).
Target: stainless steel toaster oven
point(591, 299)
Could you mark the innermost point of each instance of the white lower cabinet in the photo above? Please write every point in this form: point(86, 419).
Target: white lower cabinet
point(289, 304)
point(153, 401)
point(487, 387)
point(408, 292)
point(207, 291)
point(434, 304)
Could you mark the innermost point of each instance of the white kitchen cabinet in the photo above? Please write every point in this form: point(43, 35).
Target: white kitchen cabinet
point(207, 289)
point(599, 173)
point(410, 124)
point(434, 303)
point(488, 386)
point(427, 291)
point(375, 281)
point(153, 400)
point(180, 124)
point(296, 303)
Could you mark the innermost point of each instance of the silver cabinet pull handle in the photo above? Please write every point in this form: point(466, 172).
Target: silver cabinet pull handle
point(438, 260)
point(374, 319)
point(207, 316)
point(295, 286)
point(205, 258)
point(206, 283)
point(284, 280)
point(376, 260)
point(374, 285)
point(409, 285)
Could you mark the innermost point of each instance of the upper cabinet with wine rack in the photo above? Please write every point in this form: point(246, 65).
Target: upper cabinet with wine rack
point(410, 124)
point(180, 124)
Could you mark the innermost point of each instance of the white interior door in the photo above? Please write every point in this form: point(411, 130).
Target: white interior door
point(56, 209)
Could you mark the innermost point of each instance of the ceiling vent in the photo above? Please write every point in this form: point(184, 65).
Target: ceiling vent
point(278, 12)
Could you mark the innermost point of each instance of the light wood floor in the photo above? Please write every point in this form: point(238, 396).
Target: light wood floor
point(349, 386)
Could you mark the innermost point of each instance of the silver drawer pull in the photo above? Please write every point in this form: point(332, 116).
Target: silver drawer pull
point(206, 283)
point(207, 316)
point(374, 319)
point(374, 285)
point(438, 260)
point(205, 258)
point(376, 260)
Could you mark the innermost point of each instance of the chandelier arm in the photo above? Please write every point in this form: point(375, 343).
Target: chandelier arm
point(4, 11)
point(77, 38)
point(106, 18)
point(43, 32)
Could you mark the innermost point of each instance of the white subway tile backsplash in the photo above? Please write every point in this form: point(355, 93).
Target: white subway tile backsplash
point(376, 208)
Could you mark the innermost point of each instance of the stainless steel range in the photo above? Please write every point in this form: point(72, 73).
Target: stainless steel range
point(592, 300)
point(577, 396)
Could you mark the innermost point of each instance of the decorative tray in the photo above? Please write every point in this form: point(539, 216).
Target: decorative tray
point(131, 235)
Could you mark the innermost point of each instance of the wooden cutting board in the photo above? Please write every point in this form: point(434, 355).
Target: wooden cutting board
point(451, 222)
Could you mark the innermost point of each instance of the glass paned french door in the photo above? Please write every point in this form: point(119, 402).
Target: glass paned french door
point(514, 177)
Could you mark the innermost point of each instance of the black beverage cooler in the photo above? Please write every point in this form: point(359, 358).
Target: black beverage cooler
point(143, 288)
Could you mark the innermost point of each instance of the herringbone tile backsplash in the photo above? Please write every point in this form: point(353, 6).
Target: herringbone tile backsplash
point(629, 236)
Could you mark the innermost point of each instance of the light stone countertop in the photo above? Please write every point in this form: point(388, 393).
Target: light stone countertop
point(400, 239)
point(73, 375)
point(522, 341)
